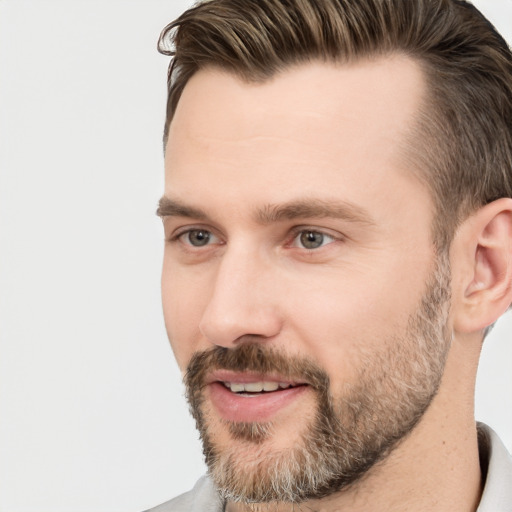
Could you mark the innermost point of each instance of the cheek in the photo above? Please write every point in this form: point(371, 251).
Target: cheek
point(333, 332)
point(342, 323)
point(184, 301)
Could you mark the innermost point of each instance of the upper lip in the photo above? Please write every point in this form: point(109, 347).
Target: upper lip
point(250, 377)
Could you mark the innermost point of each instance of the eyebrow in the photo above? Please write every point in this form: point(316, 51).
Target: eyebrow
point(317, 208)
point(168, 207)
point(270, 213)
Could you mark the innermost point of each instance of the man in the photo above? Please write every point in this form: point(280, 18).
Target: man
point(338, 221)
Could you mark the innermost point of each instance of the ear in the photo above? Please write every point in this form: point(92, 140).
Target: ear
point(482, 256)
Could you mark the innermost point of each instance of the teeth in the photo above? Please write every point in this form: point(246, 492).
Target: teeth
point(256, 387)
point(270, 386)
point(253, 387)
point(236, 388)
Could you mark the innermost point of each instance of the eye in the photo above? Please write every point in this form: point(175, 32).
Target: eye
point(310, 239)
point(198, 237)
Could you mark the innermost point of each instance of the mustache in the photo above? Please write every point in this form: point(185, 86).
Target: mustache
point(257, 358)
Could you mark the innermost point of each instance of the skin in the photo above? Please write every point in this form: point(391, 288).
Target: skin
point(331, 134)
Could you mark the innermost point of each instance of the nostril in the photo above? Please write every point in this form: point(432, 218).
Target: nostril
point(236, 326)
point(251, 338)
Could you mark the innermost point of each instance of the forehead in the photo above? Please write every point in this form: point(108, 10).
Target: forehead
point(388, 89)
point(312, 125)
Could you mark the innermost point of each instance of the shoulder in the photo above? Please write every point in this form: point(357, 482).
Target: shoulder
point(496, 465)
point(202, 498)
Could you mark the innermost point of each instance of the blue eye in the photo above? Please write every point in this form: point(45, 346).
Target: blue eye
point(310, 239)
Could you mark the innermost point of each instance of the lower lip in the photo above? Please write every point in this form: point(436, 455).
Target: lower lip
point(252, 408)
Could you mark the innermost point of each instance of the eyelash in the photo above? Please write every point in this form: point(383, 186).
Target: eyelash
point(303, 230)
point(180, 234)
point(294, 234)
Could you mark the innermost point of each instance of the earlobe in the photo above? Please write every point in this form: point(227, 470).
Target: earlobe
point(487, 292)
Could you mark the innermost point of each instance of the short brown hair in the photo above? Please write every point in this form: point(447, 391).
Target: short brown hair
point(462, 145)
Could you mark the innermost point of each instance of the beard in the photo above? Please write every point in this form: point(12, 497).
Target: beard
point(349, 431)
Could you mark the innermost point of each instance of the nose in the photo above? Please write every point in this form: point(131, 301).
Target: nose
point(243, 303)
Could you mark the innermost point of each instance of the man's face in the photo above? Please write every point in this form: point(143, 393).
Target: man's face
point(299, 273)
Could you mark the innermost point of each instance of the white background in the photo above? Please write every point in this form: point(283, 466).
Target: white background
point(92, 417)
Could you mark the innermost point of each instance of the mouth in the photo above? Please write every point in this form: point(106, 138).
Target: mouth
point(257, 388)
point(252, 398)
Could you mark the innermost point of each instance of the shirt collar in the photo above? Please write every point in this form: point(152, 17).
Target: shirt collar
point(496, 465)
